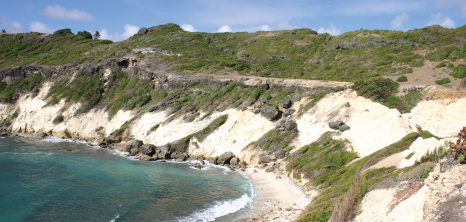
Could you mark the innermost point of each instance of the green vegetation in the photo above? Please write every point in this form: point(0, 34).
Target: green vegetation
point(324, 164)
point(402, 79)
point(459, 71)
point(443, 81)
point(58, 119)
point(298, 53)
point(426, 134)
point(11, 92)
point(201, 135)
point(276, 139)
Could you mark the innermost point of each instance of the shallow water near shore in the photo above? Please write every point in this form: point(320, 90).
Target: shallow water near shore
point(53, 180)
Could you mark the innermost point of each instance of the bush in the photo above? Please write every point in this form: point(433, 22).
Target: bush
point(378, 90)
point(402, 79)
point(62, 32)
point(443, 81)
point(459, 149)
point(58, 119)
point(459, 71)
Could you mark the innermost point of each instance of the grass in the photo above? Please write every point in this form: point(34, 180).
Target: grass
point(276, 139)
point(298, 53)
point(324, 163)
point(443, 81)
point(10, 92)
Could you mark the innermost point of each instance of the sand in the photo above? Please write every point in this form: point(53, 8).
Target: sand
point(279, 198)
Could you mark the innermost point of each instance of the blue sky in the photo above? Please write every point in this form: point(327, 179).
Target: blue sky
point(120, 19)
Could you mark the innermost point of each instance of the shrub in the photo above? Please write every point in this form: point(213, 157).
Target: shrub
point(443, 81)
point(378, 90)
point(459, 71)
point(63, 32)
point(58, 119)
point(402, 79)
point(459, 149)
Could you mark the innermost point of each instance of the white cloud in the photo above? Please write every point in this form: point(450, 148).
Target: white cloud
point(224, 28)
point(265, 28)
point(39, 27)
point(13, 27)
point(399, 23)
point(62, 13)
point(188, 28)
point(440, 19)
point(332, 30)
point(130, 30)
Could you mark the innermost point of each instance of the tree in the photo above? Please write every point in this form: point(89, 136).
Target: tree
point(63, 32)
point(3, 31)
point(96, 35)
point(85, 34)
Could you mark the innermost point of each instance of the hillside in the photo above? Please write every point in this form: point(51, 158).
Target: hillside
point(331, 112)
point(298, 53)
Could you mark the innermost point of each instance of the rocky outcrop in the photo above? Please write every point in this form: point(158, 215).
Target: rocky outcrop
point(269, 112)
point(339, 125)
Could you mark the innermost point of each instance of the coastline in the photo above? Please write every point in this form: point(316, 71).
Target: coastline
point(278, 197)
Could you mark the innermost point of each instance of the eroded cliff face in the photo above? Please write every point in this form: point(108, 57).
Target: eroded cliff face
point(372, 126)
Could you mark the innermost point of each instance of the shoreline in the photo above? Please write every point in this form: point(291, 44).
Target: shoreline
point(278, 197)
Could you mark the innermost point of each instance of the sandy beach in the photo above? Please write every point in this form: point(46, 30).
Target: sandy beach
point(279, 198)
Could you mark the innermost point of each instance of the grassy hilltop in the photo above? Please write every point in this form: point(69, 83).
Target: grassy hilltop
point(298, 53)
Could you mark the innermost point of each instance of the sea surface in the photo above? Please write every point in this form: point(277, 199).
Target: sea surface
point(60, 180)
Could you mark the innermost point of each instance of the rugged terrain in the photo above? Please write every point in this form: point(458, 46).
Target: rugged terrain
point(340, 129)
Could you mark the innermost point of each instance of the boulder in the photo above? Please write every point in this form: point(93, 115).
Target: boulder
point(286, 103)
point(225, 158)
point(164, 148)
point(213, 160)
point(147, 149)
point(143, 157)
point(269, 112)
point(234, 161)
point(289, 112)
point(280, 154)
point(263, 158)
point(243, 165)
point(296, 97)
point(269, 169)
point(287, 125)
point(197, 165)
point(339, 125)
point(263, 100)
point(128, 145)
point(134, 151)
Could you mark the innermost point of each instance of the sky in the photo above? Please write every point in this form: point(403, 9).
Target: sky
point(120, 19)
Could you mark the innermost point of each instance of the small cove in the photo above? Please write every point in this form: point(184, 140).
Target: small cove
point(51, 179)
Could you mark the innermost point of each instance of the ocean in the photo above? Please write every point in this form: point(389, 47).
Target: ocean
point(62, 180)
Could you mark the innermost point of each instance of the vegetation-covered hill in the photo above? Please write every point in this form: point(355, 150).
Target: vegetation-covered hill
point(298, 53)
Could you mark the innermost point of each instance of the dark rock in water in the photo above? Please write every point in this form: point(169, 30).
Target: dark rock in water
point(143, 157)
point(280, 154)
point(128, 145)
point(213, 160)
point(42, 135)
point(234, 161)
point(263, 158)
point(225, 158)
point(269, 112)
point(286, 103)
point(134, 151)
point(339, 125)
point(163, 161)
point(147, 149)
point(107, 141)
point(197, 165)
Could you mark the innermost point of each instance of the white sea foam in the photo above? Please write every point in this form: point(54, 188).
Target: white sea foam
point(52, 139)
point(220, 209)
point(116, 217)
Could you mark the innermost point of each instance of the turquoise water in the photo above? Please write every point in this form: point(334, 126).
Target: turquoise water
point(52, 180)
